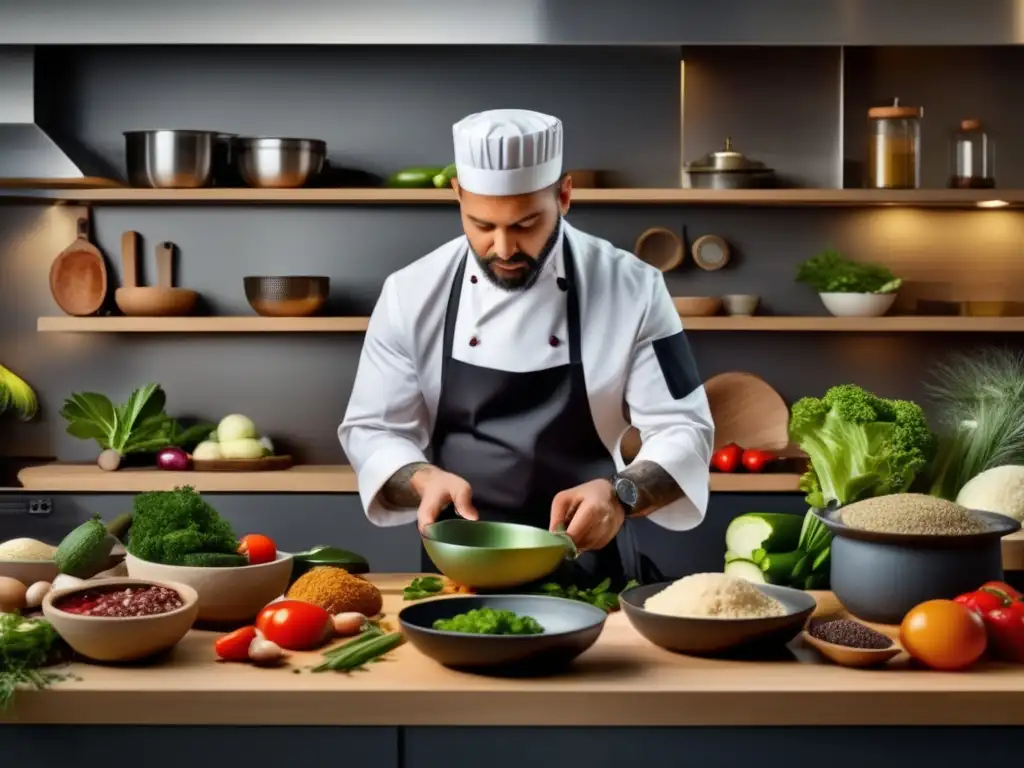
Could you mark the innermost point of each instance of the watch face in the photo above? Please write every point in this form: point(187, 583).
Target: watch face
point(626, 491)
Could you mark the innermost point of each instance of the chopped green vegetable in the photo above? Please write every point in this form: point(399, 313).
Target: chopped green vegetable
point(490, 621)
point(767, 531)
point(168, 525)
point(423, 587)
point(779, 568)
point(137, 426)
point(859, 445)
point(599, 595)
point(745, 569)
point(26, 645)
point(831, 272)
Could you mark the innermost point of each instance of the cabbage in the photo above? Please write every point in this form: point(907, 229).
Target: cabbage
point(246, 448)
point(235, 427)
point(999, 490)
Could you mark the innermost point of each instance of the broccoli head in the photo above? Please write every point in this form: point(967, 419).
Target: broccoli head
point(859, 445)
point(167, 525)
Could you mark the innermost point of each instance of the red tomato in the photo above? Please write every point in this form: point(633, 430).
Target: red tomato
point(755, 461)
point(726, 459)
point(295, 625)
point(234, 646)
point(1002, 586)
point(258, 548)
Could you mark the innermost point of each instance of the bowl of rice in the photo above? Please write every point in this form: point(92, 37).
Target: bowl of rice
point(890, 553)
point(714, 613)
point(27, 560)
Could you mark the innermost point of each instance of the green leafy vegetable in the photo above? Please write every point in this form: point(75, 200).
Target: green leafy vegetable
point(859, 445)
point(168, 525)
point(490, 621)
point(599, 595)
point(16, 394)
point(423, 587)
point(26, 645)
point(980, 399)
point(138, 426)
point(831, 272)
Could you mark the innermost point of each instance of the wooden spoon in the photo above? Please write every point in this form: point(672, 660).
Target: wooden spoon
point(78, 276)
point(852, 657)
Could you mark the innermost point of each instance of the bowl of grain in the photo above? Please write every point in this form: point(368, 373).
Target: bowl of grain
point(891, 553)
point(713, 613)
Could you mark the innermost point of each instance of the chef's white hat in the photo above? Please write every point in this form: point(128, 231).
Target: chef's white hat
point(508, 151)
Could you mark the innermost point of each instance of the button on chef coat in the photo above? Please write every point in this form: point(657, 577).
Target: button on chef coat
point(633, 352)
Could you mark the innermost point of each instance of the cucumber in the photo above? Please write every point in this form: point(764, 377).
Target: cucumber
point(744, 569)
point(85, 551)
point(213, 560)
point(415, 178)
point(730, 556)
point(770, 531)
point(778, 567)
point(443, 180)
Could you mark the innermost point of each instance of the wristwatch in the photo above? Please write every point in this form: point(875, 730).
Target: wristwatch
point(626, 492)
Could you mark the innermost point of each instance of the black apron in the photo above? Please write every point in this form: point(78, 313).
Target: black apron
point(519, 439)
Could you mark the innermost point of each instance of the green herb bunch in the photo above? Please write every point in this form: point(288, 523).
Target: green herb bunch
point(831, 272)
point(167, 525)
point(25, 646)
point(601, 595)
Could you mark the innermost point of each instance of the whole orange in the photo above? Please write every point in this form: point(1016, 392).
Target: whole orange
point(943, 635)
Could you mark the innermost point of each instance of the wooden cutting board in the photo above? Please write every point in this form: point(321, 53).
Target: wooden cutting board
point(747, 412)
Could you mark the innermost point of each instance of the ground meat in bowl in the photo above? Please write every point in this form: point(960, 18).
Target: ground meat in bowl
point(121, 602)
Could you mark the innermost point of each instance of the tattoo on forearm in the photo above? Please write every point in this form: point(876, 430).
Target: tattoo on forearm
point(397, 492)
point(655, 487)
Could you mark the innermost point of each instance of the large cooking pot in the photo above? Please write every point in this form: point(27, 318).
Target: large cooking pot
point(879, 577)
point(170, 159)
point(729, 169)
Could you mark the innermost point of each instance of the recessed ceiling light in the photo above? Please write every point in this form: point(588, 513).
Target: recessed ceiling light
point(993, 204)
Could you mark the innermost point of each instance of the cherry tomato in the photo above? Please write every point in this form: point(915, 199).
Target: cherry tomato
point(943, 634)
point(727, 458)
point(295, 625)
point(234, 646)
point(258, 548)
point(755, 461)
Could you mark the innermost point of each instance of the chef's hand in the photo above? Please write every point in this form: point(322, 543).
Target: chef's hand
point(591, 513)
point(437, 489)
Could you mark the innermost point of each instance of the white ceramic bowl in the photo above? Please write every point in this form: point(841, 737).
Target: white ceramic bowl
point(28, 572)
point(226, 595)
point(102, 638)
point(858, 304)
point(740, 304)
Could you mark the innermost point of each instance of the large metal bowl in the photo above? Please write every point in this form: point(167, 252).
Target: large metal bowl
point(709, 637)
point(489, 555)
point(570, 628)
point(169, 159)
point(273, 163)
point(287, 296)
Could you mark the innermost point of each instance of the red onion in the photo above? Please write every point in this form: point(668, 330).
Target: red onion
point(173, 459)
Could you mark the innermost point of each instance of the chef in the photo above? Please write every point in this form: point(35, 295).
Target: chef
point(495, 371)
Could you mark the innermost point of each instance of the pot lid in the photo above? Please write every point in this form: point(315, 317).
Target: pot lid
point(726, 159)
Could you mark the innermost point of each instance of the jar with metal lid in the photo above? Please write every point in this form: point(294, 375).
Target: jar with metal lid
point(972, 158)
point(894, 147)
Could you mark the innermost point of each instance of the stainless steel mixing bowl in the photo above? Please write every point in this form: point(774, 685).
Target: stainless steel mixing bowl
point(279, 163)
point(169, 159)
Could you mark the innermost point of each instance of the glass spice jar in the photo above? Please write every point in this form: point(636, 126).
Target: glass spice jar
point(972, 158)
point(894, 147)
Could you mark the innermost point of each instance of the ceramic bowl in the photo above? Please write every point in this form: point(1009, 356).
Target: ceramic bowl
point(708, 637)
point(114, 639)
point(226, 595)
point(858, 304)
point(28, 572)
point(740, 304)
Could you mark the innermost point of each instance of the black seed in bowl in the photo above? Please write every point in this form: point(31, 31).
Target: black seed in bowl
point(851, 634)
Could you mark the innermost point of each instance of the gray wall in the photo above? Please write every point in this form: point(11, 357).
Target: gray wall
point(380, 109)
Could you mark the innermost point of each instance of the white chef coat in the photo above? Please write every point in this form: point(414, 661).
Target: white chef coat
point(624, 307)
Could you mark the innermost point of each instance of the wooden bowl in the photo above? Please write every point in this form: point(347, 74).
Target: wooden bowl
point(697, 306)
point(28, 572)
point(660, 248)
point(103, 638)
point(155, 301)
point(850, 657)
point(290, 296)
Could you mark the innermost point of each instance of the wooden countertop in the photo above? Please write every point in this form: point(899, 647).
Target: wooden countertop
point(622, 680)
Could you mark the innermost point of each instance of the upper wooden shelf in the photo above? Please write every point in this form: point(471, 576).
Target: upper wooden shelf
point(255, 324)
point(57, 477)
point(948, 198)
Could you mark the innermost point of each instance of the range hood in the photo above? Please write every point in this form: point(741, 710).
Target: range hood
point(26, 150)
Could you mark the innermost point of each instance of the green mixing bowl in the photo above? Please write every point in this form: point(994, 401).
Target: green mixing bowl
point(486, 555)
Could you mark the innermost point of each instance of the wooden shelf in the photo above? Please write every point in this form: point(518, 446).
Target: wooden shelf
point(58, 477)
point(950, 198)
point(255, 324)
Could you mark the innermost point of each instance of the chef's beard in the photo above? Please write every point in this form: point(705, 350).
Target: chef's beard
point(532, 265)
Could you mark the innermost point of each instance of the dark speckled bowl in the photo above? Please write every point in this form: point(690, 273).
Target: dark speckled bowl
point(287, 296)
